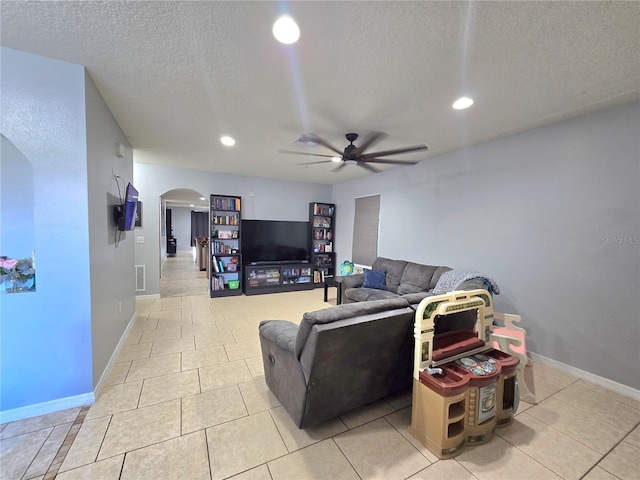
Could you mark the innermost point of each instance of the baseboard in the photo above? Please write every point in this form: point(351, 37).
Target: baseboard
point(576, 372)
point(47, 407)
point(150, 296)
point(107, 371)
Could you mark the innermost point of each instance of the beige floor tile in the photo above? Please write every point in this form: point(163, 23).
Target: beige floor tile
point(134, 352)
point(377, 450)
point(86, 445)
point(245, 334)
point(598, 473)
point(204, 357)
point(104, 470)
point(258, 473)
point(160, 334)
point(38, 423)
point(587, 429)
point(544, 444)
point(118, 373)
point(144, 324)
point(133, 338)
point(214, 339)
point(256, 366)
point(596, 402)
point(153, 367)
point(634, 437)
point(182, 457)
point(204, 328)
point(444, 470)
point(183, 321)
point(168, 387)
point(115, 399)
point(224, 374)
point(196, 310)
point(367, 413)
point(174, 345)
point(623, 462)
point(295, 438)
point(243, 444)
point(257, 396)
point(541, 371)
point(633, 402)
point(498, 460)
point(401, 421)
point(232, 324)
point(140, 428)
point(206, 317)
point(17, 452)
point(322, 460)
point(242, 350)
point(48, 452)
point(543, 388)
point(211, 408)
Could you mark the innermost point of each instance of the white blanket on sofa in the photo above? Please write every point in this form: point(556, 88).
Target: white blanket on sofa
point(449, 281)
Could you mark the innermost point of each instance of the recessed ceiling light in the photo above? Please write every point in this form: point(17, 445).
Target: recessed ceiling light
point(462, 103)
point(286, 30)
point(192, 205)
point(202, 198)
point(228, 141)
point(336, 159)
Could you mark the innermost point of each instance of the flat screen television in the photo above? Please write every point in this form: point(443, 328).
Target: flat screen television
point(127, 220)
point(274, 241)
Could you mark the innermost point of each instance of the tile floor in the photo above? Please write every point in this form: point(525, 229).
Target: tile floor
point(187, 399)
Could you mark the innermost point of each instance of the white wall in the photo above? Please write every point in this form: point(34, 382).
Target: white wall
point(272, 200)
point(46, 335)
point(551, 214)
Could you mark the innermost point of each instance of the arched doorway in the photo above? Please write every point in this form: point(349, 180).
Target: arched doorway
point(179, 270)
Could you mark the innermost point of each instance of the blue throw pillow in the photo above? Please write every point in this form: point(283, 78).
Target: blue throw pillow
point(375, 279)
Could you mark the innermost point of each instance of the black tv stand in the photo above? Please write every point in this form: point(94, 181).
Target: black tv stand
point(275, 277)
point(280, 262)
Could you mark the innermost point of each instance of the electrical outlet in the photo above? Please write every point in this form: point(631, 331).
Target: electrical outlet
point(119, 307)
point(140, 239)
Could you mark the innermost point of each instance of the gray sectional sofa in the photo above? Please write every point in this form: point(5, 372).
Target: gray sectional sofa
point(408, 280)
point(338, 358)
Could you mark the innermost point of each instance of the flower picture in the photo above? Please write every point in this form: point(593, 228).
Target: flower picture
point(16, 273)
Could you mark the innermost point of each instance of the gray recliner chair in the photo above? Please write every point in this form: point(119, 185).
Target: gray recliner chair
point(338, 358)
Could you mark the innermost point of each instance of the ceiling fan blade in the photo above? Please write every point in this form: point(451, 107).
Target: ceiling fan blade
point(384, 153)
point(326, 144)
point(339, 167)
point(372, 139)
point(368, 167)
point(315, 163)
point(308, 154)
point(390, 161)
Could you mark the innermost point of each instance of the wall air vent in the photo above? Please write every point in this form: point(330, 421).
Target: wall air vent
point(140, 278)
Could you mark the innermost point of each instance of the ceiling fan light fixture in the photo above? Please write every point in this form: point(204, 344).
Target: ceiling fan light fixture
point(286, 30)
point(336, 159)
point(462, 103)
point(227, 141)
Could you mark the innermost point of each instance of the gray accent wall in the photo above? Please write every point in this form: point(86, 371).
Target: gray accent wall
point(111, 251)
point(552, 214)
point(262, 198)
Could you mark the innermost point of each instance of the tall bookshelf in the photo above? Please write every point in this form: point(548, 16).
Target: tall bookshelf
point(322, 217)
point(225, 263)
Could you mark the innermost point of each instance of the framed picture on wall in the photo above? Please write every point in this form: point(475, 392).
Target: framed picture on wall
point(139, 214)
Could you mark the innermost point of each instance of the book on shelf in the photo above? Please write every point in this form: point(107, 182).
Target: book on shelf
point(215, 264)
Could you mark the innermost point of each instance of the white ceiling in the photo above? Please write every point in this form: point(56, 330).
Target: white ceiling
point(178, 75)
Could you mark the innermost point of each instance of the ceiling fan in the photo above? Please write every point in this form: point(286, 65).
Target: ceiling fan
point(353, 155)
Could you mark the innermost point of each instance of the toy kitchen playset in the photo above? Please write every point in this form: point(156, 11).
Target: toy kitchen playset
point(463, 388)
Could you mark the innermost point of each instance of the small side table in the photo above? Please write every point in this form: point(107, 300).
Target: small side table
point(333, 282)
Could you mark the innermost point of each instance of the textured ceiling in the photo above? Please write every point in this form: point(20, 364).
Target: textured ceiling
point(178, 75)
